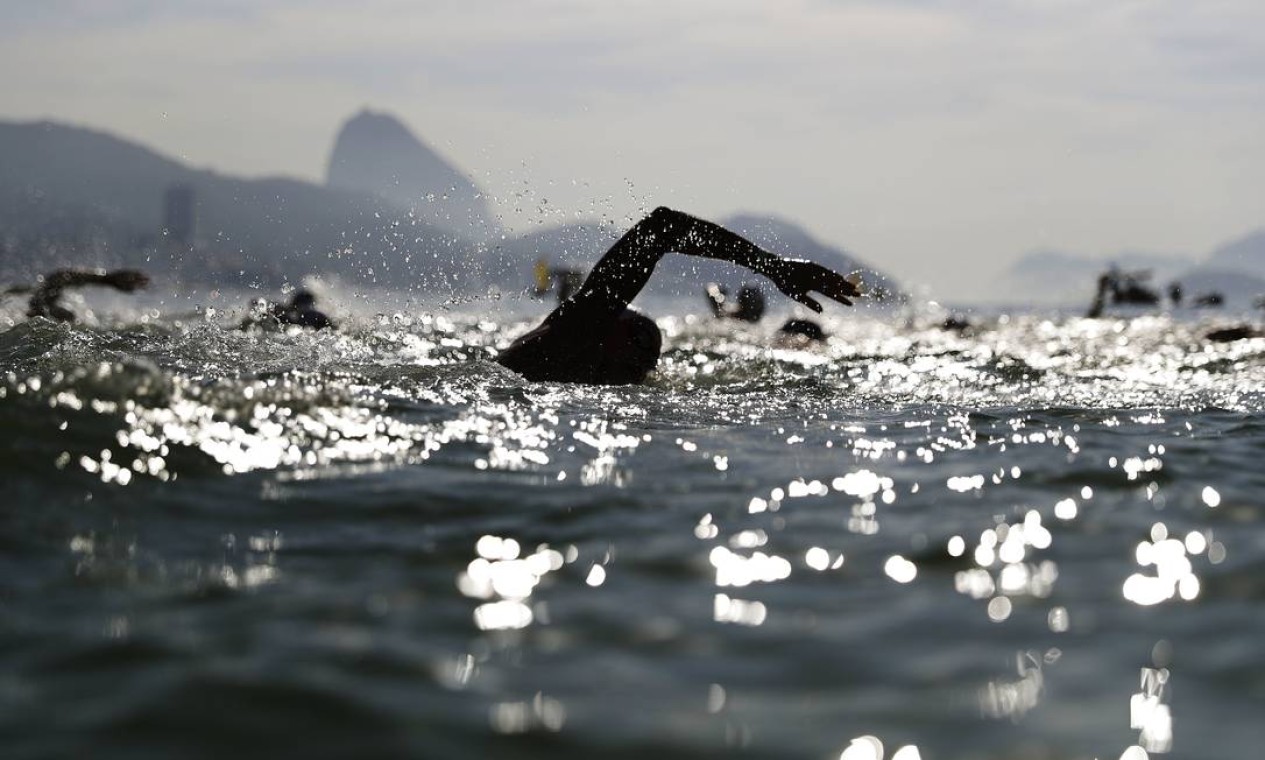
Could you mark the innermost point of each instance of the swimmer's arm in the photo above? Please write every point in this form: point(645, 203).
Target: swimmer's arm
point(626, 268)
point(125, 280)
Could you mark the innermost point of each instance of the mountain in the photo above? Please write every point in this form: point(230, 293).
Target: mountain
point(1235, 269)
point(375, 153)
point(71, 196)
point(1245, 254)
point(74, 196)
point(579, 246)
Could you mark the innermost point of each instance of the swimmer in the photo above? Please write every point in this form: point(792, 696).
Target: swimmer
point(595, 338)
point(802, 331)
point(301, 311)
point(1175, 294)
point(46, 296)
point(1125, 288)
point(748, 307)
point(1230, 334)
point(1209, 300)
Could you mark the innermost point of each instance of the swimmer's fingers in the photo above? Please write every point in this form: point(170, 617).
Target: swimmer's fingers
point(797, 278)
point(839, 287)
point(810, 302)
point(836, 287)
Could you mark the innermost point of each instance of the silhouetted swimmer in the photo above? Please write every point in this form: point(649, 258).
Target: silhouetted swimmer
point(1124, 288)
point(1175, 293)
point(1100, 297)
point(1231, 334)
point(1128, 289)
point(747, 307)
point(1237, 332)
point(1210, 300)
point(301, 311)
point(802, 329)
point(594, 337)
point(46, 296)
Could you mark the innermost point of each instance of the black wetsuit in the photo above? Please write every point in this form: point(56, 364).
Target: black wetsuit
point(594, 338)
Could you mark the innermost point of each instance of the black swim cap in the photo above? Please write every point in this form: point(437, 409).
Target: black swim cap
point(631, 349)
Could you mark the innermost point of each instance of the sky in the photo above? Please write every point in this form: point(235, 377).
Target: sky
point(936, 140)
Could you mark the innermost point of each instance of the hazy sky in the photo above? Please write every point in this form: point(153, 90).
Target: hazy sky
point(937, 139)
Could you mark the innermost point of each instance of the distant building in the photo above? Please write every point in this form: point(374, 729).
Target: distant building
point(180, 218)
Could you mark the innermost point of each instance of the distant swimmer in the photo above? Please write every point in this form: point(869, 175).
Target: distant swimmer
point(301, 311)
point(1128, 289)
point(1230, 334)
point(594, 337)
point(1175, 293)
point(46, 296)
point(565, 281)
point(1209, 300)
point(957, 323)
point(1238, 332)
point(747, 307)
point(1125, 288)
point(802, 330)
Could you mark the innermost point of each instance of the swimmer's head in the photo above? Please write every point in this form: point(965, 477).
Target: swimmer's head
point(805, 329)
point(631, 349)
point(303, 299)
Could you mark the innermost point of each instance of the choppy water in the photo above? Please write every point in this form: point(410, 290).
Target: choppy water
point(1040, 540)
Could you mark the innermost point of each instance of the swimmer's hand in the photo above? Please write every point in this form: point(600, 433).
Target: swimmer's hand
point(796, 278)
point(126, 280)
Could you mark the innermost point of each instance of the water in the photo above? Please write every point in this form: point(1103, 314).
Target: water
point(1042, 539)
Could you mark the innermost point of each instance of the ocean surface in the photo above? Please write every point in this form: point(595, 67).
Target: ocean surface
point(1039, 538)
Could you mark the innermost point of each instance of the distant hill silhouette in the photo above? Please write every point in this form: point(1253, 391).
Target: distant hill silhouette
point(1235, 269)
point(70, 195)
point(375, 153)
point(1246, 253)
